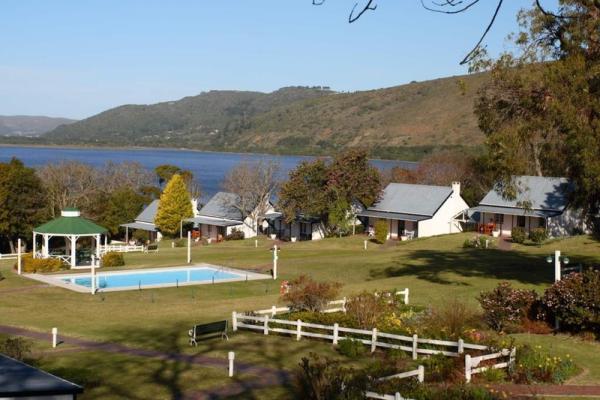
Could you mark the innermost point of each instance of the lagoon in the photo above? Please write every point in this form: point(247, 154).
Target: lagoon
point(209, 168)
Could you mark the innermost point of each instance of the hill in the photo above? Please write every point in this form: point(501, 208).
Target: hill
point(400, 122)
point(26, 125)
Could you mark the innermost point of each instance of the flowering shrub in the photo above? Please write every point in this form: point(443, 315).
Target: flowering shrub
point(368, 308)
point(505, 306)
point(309, 295)
point(478, 242)
point(533, 365)
point(575, 300)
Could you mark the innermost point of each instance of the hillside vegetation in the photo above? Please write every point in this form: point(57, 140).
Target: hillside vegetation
point(27, 125)
point(405, 121)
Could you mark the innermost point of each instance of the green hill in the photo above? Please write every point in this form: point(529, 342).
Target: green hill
point(399, 122)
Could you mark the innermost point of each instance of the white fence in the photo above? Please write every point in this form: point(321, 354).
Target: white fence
point(8, 256)
point(472, 363)
point(120, 248)
point(332, 306)
point(335, 333)
point(419, 373)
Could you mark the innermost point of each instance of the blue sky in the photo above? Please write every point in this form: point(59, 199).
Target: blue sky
point(77, 58)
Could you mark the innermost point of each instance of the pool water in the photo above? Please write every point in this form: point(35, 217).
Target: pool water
point(154, 278)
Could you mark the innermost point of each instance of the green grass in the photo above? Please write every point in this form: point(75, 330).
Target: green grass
point(436, 270)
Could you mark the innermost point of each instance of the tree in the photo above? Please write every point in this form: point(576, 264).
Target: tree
point(340, 218)
point(254, 184)
point(121, 206)
point(23, 201)
point(352, 177)
point(175, 205)
point(166, 171)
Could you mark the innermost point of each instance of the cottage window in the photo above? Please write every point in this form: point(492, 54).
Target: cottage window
point(499, 218)
point(521, 221)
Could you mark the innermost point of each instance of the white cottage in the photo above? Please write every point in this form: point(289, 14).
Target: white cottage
point(540, 202)
point(413, 210)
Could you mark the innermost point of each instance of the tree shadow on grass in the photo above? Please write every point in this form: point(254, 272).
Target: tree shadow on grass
point(439, 266)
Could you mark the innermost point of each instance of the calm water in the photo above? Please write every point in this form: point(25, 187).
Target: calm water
point(208, 168)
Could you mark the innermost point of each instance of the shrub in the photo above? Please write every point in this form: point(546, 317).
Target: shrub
point(307, 294)
point(113, 259)
point(532, 365)
point(505, 305)
point(381, 231)
point(478, 242)
point(367, 309)
point(538, 235)
point(442, 368)
point(33, 265)
point(575, 300)
point(235, 234)
point(518, 235)
point(17, 348)
point(351, 348)
point(359, 229)
point(140, 236)
point(343, 319)
point(450, 321)
point(322, 378)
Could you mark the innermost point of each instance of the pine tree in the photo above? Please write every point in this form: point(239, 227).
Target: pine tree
point(175, 205)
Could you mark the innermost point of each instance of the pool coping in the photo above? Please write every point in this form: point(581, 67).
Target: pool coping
point(57, 279)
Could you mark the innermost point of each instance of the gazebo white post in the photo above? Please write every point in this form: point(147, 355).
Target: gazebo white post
point(73, 250)
point(93, 285)
point(34, 249)
point(98, 244)
point(45, 250)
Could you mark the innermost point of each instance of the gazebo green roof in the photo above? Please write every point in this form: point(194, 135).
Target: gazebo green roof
point(70, 226)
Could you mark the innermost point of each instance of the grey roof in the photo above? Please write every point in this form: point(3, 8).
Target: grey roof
point(390, 215)
point(513, 211)
point(222, 205)
point(149, 213)
point(140, 225)
point(212, 221)
point(18, 379)
point(405, 198)
point(543, 193)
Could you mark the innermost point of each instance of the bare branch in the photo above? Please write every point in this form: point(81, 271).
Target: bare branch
point(475, 49)
point(368, 6)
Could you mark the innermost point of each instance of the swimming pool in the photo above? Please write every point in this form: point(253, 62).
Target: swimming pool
point(150, 278)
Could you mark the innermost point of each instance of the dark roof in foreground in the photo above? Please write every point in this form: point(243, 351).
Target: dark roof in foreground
point(222, 205)
point(406, 198)
point(542, 193)
point(19, 379)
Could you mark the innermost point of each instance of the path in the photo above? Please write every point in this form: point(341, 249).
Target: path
point(523, 391)
point(265, 376)
point(504, 243)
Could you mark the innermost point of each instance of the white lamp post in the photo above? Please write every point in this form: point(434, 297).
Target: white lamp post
point(93, 285)
point(19, 256)
point(189, 247)
point(557, 264)
point(275, 258)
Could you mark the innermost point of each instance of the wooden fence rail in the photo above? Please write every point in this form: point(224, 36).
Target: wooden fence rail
point(120, 248)
point(419, 373)
point(472, 363)
point(335, 333)
point(8, 256)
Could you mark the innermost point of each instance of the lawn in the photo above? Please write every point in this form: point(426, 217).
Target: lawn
point(435, 270)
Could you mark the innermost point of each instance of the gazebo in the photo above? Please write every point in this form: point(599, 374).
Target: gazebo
point(70, 226)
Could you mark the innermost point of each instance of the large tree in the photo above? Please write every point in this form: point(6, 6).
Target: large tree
point(175, 205)
point(23, 201)
point(120, 206)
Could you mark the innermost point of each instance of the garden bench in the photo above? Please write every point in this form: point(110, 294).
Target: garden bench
point(211, 329)
point(152, 247)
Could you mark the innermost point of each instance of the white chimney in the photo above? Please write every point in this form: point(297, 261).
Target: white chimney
point(456, 188)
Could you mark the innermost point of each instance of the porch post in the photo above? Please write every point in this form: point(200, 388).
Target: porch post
point(45, 250)
point(34, 235)
point(73, 250)
point(127, 234)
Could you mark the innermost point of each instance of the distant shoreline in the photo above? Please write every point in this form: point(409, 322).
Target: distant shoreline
point(145, 148)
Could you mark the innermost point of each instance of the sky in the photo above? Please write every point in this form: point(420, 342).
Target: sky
point(78, 58)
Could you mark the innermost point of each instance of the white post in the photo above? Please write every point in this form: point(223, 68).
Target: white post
point(54, 337)
point(273, 311)
point(468, 368)
point(421, 375)
point(93, 285)
point(231, 357)
point(414, 347)
point(256, 243)
point(336, 328)
point(234, 321)
point(19, 256)
point(512, 356)
point(106, 239)
point(344, 305)
point(406, 296)
point(266, 325)
point(275, 257)
point(298, 329)
point(189, 247)
point(374, 340)
point(45, 249)
point(73, 250)
point(181, 229)
point(461, 346)
point(34, 245)
point(98, 244)
point(557, 266)
point(397, 396)
point(365, 244)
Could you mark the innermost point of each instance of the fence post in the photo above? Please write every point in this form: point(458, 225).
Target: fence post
point(406, 296)
point(468, 368)
point(54, 337)
point(397, 396)
point(231, 357)
point(374, 340)
point(421, 375)
point(512, 357)
point(365, 244)
point(234, 321)
point(461, 346)
point(335, 333)
point(273, 311)
point(414, 346)
point(189, 247)
point(266, 325)
point(344, 305)
point(298, 330)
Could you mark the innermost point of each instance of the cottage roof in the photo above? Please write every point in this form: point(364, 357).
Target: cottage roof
point(540, 193)
point(222, 205)
point(405, 198)
point(149, 213)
